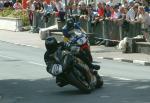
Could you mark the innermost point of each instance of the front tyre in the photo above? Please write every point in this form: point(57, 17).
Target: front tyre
point(79, 83)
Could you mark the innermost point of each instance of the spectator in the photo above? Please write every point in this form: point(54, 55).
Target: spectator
point(17, 5)
point(110, 3)
point(113, 15)
point(100, 10)
point(131, 4)
point(74, 9)
point(7, 3)
point(143, 17)
point(31, 9)
point(69, 6)
point(60, 6)
point(82, 8)
point(93, 6)
point(54, 6)
point(47, 8)
point(90, 17)
point(47, 11)
point(123, 13)
point(126, 5)
point(132, 13)
point(61, 10)
point(117, 13)
point(38, 6)
point(107, 12)
point(1, 5)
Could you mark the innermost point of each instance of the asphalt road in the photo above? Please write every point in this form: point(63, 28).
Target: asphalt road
point(23, 79)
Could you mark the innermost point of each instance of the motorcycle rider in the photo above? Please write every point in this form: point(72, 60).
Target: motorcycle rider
point(75, 36)
point(52, 46)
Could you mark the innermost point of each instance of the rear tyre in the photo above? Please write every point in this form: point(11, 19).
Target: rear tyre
point(100, 82)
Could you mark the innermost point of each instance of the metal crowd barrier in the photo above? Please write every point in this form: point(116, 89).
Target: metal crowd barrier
point(105, 29)
point(112, 30)
point(39, 22)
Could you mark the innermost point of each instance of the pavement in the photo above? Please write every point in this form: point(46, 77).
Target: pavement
point(27, 38)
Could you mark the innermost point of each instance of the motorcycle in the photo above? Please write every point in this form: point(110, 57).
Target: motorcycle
point(69, 69)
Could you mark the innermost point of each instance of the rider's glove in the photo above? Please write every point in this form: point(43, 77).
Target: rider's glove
point(65, 45)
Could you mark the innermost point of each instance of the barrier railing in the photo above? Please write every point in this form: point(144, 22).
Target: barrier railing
point(107, 29)
point(113, 30)
point(39, 21)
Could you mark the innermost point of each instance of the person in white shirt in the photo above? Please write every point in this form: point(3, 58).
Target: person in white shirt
point(60, 5)
point(110, 3)
point(143, 17)
point(17, 5)
point(132, 13)
point(61, 10)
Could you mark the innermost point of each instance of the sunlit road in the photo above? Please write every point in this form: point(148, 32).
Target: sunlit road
point(23, 79)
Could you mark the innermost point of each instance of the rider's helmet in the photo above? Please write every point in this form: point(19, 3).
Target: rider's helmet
point(69, 26)
point(51, 44)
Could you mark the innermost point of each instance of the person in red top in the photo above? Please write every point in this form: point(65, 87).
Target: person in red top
point(100, 10)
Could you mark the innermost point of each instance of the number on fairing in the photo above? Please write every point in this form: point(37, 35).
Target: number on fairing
point(56, 69)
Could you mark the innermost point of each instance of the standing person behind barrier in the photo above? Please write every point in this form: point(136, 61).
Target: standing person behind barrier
point(82, 11)
point(8, 3)
point(100, 10)
point(77, 38)
point(123, 12)
point(112, 16)
point(17, 5)
point(107, 12)
point(30, 9)
point(54, 6)
point(110, 2)
point(74, 9)
point(61, 10)
point(132, 13)
point(90, 17)
point(1, 5)
point(47, 11)
point(82, 8)
point(144, 18)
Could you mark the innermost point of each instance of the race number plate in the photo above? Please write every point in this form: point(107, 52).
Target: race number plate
point(56, 69)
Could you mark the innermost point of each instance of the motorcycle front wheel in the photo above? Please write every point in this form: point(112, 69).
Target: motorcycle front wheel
point(78, 80)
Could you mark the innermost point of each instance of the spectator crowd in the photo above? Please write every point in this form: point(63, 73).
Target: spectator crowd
point(130, 10)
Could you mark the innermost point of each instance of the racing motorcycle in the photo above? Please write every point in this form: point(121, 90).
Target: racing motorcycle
point(69, 69)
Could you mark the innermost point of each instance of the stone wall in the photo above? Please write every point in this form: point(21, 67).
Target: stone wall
point(13, 24)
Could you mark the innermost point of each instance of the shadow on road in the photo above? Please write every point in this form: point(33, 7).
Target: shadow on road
point(46, 91)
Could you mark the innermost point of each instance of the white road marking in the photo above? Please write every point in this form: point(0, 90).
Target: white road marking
point(8, 57)
point(31, 62)
point(118, 59)
point(100, 57)
point(121, 78)
point(139, 62)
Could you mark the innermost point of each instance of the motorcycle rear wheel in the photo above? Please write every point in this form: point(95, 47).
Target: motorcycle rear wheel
point(100, 82)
